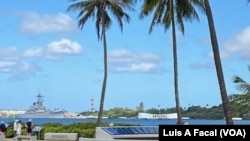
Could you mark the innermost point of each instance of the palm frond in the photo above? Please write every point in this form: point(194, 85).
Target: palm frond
point(100, 10)
point(86, 8)
point(158, 15)
point(186, 10)
point(116, 9)
point(200, 5)
point(167, 19)
point(241, 84)
point(98, 23)
point(240, 102)
point(147, 7)
point(162, 13)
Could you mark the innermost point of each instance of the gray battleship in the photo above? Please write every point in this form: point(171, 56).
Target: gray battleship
point(37, 110)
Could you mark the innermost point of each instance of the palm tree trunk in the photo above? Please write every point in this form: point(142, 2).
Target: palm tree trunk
point(175, 59)
point(217, 61)
point(100, 113)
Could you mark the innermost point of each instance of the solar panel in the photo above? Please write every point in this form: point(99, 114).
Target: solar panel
point(111, 131)
point(131, 130)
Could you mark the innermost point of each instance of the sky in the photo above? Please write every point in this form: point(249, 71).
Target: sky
point(43, 50)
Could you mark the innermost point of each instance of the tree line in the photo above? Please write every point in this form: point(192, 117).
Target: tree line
point(193, 112)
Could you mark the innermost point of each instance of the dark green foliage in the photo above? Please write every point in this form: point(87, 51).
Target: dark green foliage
point(199, 112)
point(84, 129)
point(241, 102)
point(193, 111)
point(9, 132)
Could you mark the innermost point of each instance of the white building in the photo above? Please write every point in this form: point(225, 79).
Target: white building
point(157, 116)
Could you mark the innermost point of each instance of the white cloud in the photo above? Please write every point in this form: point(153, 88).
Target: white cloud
point(18, 66)
point(26, 67)
point(124, 55)
point(34, 23)
point(6, 66)
point(55, 49)
point(23, 70)
point(238, 47)
point(8, 59)
point(125, 61)
point(9, 54)
point(34, 52)
point(21, 65)
point(19, 69)
point(64, 46)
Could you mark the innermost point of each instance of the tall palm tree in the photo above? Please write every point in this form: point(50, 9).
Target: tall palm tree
point(217, 61)
point(169, 13)
point(100, 9)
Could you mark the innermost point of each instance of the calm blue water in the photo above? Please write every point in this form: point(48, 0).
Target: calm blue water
point(130, 121)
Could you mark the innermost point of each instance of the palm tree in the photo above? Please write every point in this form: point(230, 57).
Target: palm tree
point(169, 13)
point(241, 102)
point(100, 9)
point(242, 85)
point(217, 61)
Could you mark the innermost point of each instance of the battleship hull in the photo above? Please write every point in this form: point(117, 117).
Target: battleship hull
point(41, 115)
point(37, 110)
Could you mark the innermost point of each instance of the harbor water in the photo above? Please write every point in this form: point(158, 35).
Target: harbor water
point(146, 122)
